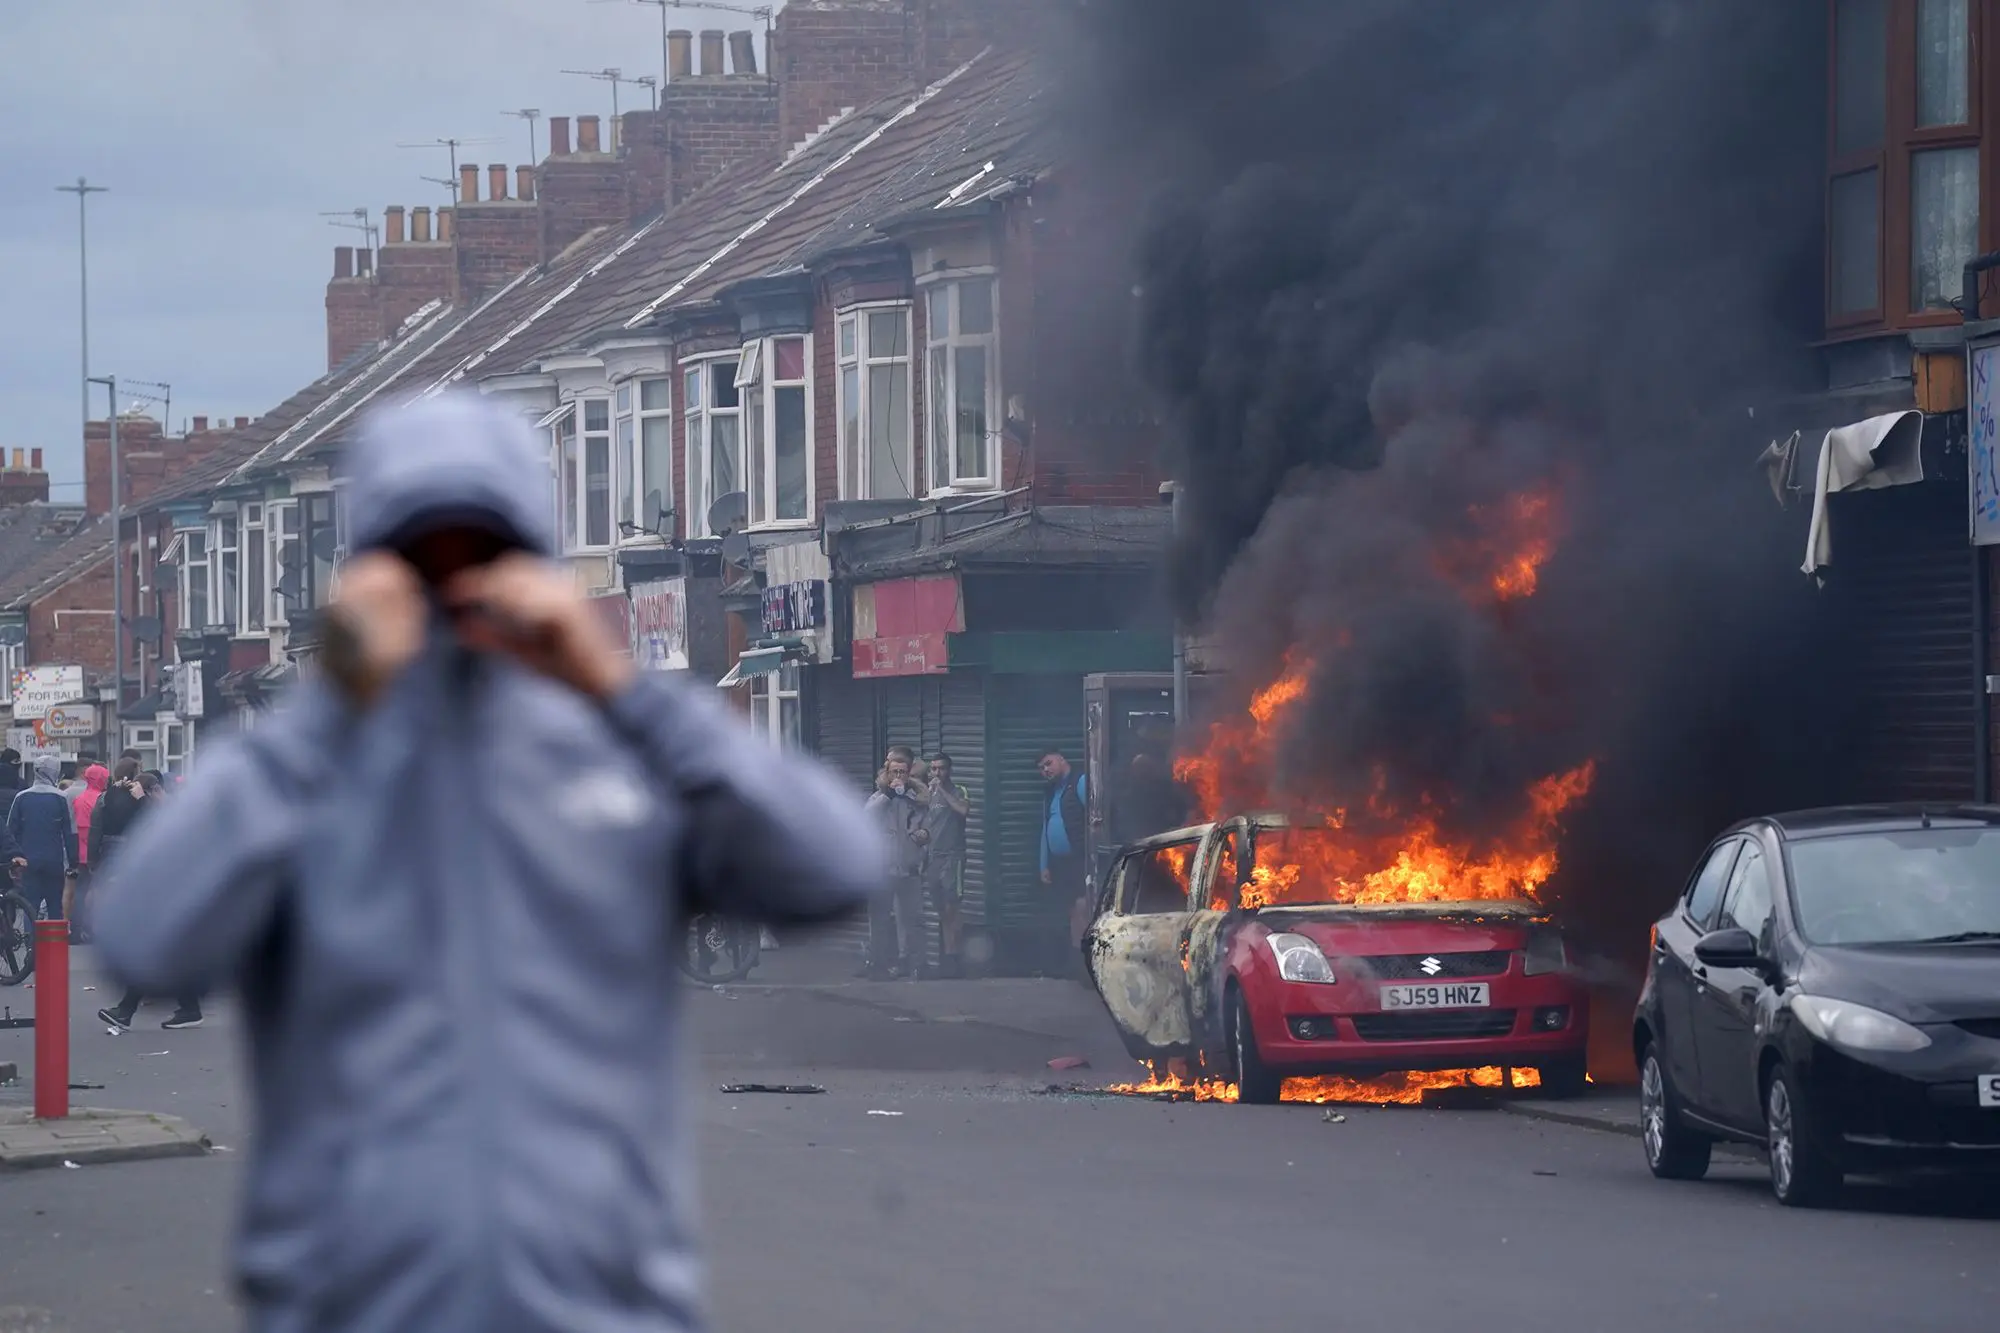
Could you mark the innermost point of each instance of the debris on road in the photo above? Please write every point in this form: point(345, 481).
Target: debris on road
point(1334, 1118)
point(1069, 1062)
point(86, 1087)
point(885, 1113)
point(1545, 1173)
point(777, 1089)
point(70, 1166)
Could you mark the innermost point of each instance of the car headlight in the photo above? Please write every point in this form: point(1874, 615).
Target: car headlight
point(1855, 1026)
point(1299, 959)
point(1545, 953)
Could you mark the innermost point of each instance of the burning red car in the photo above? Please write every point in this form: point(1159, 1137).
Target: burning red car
point(1249, 950)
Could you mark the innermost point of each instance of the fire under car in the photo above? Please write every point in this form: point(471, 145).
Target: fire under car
point(1192, 968)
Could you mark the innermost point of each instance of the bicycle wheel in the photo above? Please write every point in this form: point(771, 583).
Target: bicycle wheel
point(719, 951)
point(17, 939)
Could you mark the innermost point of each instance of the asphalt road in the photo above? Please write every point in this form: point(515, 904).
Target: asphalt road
point(989, 1205)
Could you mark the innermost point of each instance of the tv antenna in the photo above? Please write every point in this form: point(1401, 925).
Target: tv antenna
point(451, 146)
point(358, 219)
point(533, 116)
point(762, 13)
point(614, 77)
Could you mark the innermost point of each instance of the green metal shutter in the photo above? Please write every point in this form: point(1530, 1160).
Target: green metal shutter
point(1902, 585)
point(962, 735)
point(844, 737)
point(1026, 717)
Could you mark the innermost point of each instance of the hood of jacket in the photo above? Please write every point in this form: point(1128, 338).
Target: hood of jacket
point(456, 458)
point(48, 772)
point(97, 777)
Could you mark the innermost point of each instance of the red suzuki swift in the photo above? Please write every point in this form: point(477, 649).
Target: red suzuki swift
point(1262, 994)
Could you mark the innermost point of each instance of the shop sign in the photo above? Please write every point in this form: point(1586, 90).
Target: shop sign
point(659, 625)
point(40, 688)
point(188, 689)
point(615, 610)
point(907, 655)
point(794, 608)
point(1983, 446)
point(70, 722)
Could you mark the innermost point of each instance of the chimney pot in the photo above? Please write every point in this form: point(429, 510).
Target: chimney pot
point(586, 134)
point(711, 50)
point(558, 136)
point(468, 184)
point(446, 218)
point(241, 422)
point(35, 460)
point(420, 223)
point(524, 184)
point(392, 225)
point(496, 179)
point(743, 52)
point(343, 261)
point(364, 262)
point(680, 54)
point(20, 460)
point(200, 425)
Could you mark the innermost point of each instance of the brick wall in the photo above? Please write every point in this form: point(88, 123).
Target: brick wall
point(714, 122)
point(59, 630)
point(493, 241)
point(353, 317)
point(409, 276)
point(828, 55)
point(947, 33)
point(23, 482)
point(646, 147)
point(826, 408)
point(578, 193)
point(139, 438)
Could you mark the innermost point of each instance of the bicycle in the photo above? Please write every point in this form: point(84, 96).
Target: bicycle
point(17, 934)
point(719, 950)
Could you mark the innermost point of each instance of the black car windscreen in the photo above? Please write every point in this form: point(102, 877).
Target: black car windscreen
point(1908, 886)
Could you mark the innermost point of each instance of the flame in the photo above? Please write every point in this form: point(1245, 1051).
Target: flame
point(1405, 1089)
point(1356, 847)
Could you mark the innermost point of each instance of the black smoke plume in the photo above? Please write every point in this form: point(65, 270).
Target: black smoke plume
point(1405, 262)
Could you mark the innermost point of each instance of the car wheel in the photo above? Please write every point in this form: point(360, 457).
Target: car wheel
point(1565, 1079)
point(1256, 1084)
point(1803, 1173)
point(1673, 1151)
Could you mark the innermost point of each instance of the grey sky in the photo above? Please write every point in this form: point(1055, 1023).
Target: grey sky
point(224, 128)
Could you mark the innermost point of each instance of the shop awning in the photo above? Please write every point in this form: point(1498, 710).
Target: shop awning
point(1868, 455)
point(756, 662)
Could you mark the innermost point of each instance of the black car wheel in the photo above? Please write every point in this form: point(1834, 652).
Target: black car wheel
point(1255, 1082)
point(1673, 1151)
point(1803, 1173)
point(1565, 1079)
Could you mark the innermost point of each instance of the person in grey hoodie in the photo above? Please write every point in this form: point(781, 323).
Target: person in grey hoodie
point(448, 879)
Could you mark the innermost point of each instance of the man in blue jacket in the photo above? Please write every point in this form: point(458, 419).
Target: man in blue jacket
point(449, 879)
point(42, 823)
point(1064, 821)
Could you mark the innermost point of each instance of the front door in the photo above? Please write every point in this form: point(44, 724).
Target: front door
point(1135, 949)
point(1674, 968)
point(1726, 1030)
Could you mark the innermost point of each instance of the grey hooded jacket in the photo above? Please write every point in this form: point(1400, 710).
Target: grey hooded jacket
point(453, 921)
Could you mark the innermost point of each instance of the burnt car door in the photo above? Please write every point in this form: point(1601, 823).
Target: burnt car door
point(1135, 948)
point(1674, 965)
point(1727, 999)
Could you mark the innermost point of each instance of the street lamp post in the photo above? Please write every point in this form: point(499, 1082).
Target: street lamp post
point(83, 189)
point(110, 382)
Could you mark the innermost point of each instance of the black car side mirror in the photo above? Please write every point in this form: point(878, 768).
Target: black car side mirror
point(1734, 947)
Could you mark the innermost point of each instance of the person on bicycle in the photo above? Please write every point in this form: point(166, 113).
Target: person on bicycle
point(463, 1014)
point(43, 824)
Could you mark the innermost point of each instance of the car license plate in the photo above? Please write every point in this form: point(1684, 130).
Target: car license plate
point(1437, 995)
point(1989, 1091)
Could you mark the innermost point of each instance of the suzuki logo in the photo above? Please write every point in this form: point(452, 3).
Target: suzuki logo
point(1430, 967)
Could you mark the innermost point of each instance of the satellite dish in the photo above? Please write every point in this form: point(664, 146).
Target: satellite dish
point(729, 514)
point(736, 548)
point(146, 627)
point(652, 512)
point(166, 574)
point(288, 585)
point(13, 636)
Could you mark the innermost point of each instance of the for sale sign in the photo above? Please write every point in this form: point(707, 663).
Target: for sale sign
point(37, 689)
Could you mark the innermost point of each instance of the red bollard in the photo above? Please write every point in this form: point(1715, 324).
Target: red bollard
point(51, 1020)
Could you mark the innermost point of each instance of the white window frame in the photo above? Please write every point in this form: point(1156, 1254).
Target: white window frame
point(223, 556)
point(607, 437)
point(760, 433)
point(194, 574)
point(631, 419)
point(698, 418)
point(857, 358)
point(940, 427)
point(769, 693)
point(253, 612)
point(281, 530)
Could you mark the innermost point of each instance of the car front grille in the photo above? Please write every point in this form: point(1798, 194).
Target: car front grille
point(1435, 1025)
point(1981, 1027)
point(1410, 966)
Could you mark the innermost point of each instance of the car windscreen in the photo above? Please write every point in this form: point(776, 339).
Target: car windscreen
point(1898, 887)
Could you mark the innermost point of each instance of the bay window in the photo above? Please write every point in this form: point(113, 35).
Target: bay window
point(775, 714)
point(712, 421)
point(964, 385)
point(777, 430)
point(875, 405)
point(256, 587)
point(282, 559)
point(580, 450)
point(319, 530)
point(194, 579)
point(645, 450)
point(223, 571)
point(1903, 193)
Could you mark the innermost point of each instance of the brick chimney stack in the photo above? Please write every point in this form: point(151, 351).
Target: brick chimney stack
point(834, 55)
point(141, 449)
point(468, 184)
point(23, 481)
point(524, 184)
point(713, 119)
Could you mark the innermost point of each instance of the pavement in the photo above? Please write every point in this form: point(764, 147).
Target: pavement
point(937, 1184)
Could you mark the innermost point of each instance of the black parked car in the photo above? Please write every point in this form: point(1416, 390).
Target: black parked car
point(1828, 987)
